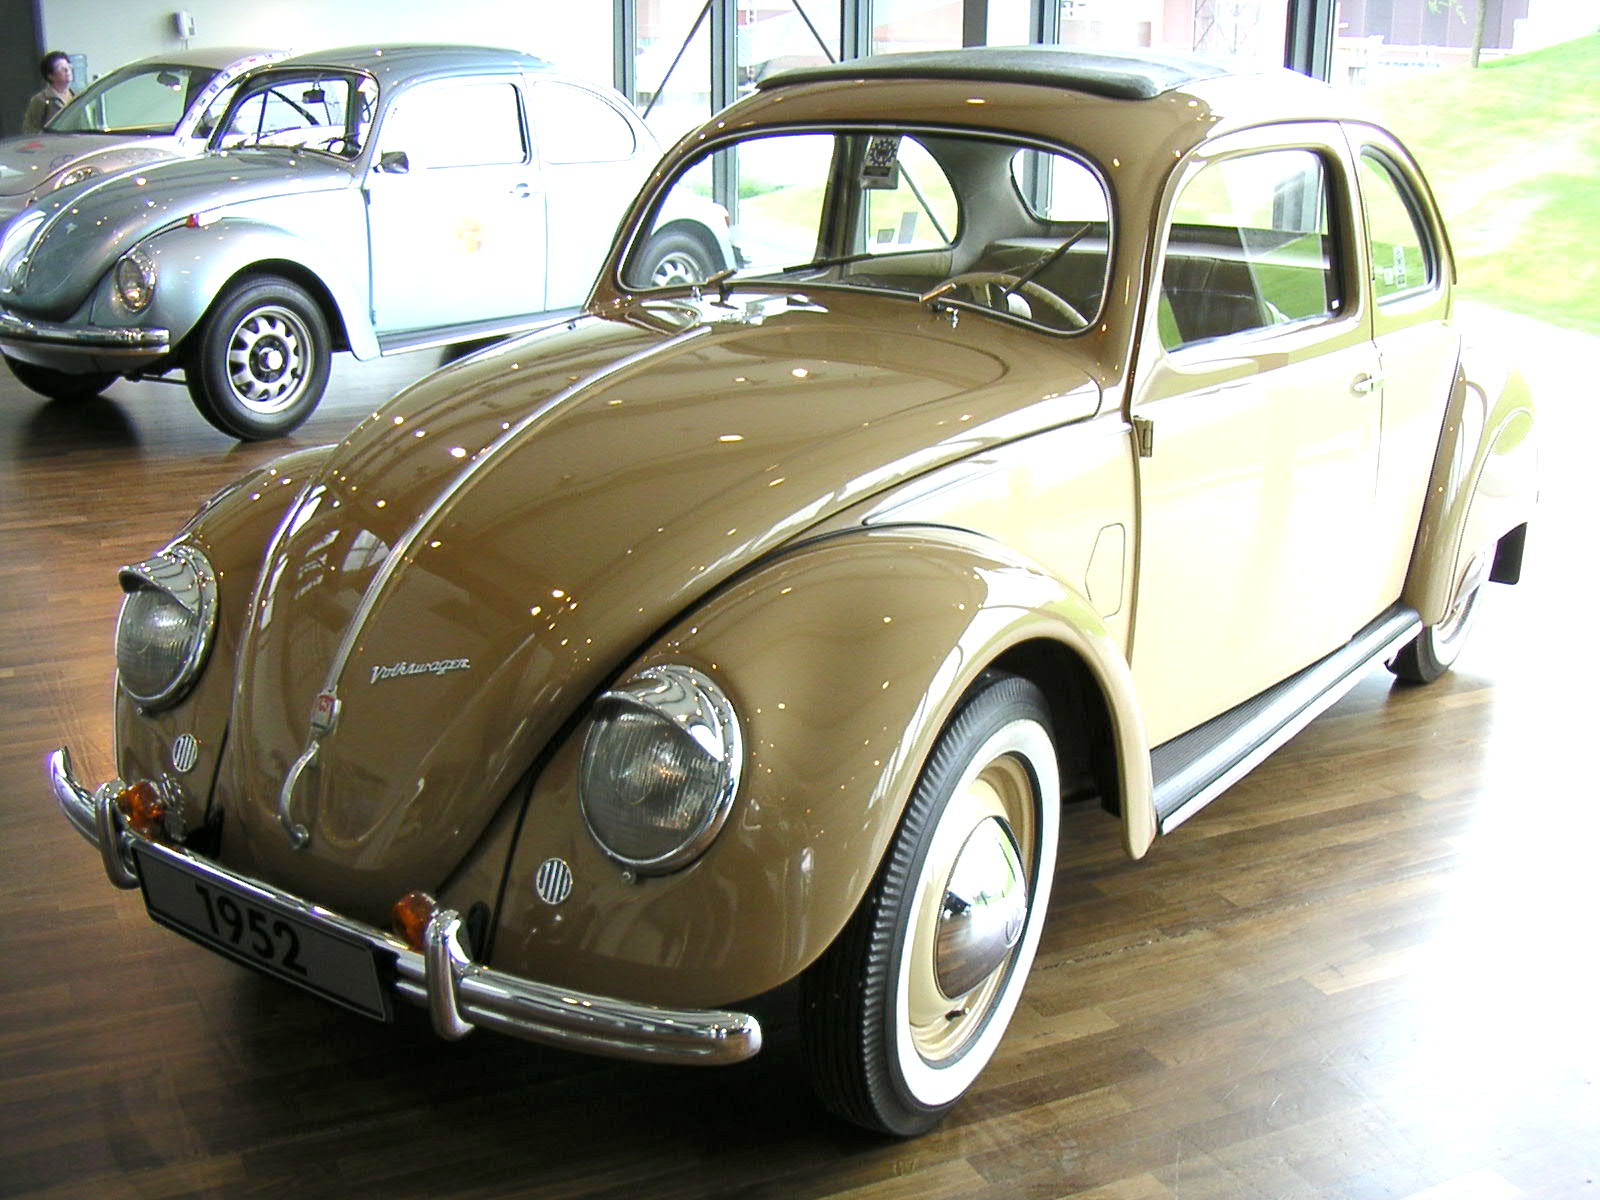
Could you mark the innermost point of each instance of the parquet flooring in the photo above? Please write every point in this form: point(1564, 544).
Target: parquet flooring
point(1369, 970)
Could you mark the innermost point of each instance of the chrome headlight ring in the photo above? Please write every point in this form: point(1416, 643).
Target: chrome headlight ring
point(16, 240)
point(167, 625)
point(76, 175)
point(660, 768)
point(134, 278)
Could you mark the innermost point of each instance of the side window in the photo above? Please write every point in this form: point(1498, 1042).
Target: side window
point(1250, 247)
point(909, 202)
point(1403, 259)
point(457, 124)
point(576, 126)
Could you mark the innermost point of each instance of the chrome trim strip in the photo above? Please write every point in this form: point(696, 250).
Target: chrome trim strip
point(133, 341)
point(1326, 700)
point(299, 835)
point(478, 995)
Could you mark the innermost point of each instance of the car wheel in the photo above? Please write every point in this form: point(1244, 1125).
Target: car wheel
point(1434, 651)
point(908, 1005)
point(259, 362)
point(59, 385)
point(673, 259)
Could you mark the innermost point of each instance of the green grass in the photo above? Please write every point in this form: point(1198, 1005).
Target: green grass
point(1513, 153)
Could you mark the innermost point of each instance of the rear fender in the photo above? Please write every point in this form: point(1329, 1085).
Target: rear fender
point(1483, 485)
point(844, 660)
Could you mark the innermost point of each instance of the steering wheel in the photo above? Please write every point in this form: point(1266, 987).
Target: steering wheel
point(976, 279)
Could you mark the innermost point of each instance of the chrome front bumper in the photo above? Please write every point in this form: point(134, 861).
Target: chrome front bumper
point(458, 993)
point(53, 344)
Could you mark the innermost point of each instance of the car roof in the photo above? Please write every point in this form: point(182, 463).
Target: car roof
point(1122, 75)
point(396, 63)
point(201, 56)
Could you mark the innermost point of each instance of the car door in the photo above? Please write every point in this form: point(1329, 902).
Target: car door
point(594, 160)
point(1418, 347)
point(455, 208)
point(1258, 395)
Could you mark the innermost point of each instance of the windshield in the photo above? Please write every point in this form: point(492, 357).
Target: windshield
point(1011, 228)
point(326, 111)
point(146, 99)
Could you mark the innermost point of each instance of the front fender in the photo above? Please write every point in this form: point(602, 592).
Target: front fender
point(232, 530)
point(1483, 483)
point(194, 264)
point(844, 659)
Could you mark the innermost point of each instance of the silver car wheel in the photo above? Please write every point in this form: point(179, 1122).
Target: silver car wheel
point(675, 269)
point(267, 359)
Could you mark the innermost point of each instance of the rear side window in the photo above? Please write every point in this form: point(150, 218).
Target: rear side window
point(1403, 258)
point(1250, 247)
point(576, 126)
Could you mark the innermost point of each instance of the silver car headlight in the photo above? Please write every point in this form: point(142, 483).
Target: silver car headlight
point(16, 239)
point(135, 279)
point(165, 630)
point(661, 765)
point(76, 175)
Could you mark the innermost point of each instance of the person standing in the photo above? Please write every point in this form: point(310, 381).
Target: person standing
point(56, 68)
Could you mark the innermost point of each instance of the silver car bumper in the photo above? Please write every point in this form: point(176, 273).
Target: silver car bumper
point(54, 344)
point(458, 993)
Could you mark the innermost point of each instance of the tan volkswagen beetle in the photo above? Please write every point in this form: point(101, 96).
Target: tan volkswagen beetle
point(1074, 426)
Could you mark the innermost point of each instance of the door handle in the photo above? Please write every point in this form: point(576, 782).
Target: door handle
point(1364, 384)
point(522, 191)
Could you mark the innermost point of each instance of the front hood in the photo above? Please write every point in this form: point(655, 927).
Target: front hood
point(27, 162)
point(482, 554)
point(89, 225)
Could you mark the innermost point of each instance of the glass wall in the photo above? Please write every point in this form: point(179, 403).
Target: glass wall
point(1252, 30)
point(672, 65)
point(900, 25)
point(777, 35)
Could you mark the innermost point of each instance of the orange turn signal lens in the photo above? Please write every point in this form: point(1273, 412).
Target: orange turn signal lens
point(410, 917)
point(143, 807)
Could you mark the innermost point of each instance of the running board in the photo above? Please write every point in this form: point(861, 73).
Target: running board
point(448, 335)
point(1194, 769)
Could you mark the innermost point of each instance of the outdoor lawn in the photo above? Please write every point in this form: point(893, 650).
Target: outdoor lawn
point(1513, 152)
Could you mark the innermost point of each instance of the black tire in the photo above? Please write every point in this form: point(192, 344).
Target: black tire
point(258, 363)
point(59, 385)
point(887, 1046)
point(672, 259)
point(1434, 651)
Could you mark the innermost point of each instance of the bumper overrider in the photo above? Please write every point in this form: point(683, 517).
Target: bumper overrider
point(458, 993)
point(80, 347)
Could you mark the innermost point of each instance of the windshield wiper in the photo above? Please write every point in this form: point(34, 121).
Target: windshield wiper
point(1038, 268)
point(840, 261)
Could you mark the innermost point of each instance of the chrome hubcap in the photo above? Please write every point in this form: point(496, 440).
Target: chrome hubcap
point(985, 908)
point(267, 365)
point(971, 908)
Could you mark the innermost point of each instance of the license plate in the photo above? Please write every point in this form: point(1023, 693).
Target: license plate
point(260, 932)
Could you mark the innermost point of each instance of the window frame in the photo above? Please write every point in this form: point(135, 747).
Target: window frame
point(647, 209)
point(1422, 223)
point(1346, 236)
point(506, 79)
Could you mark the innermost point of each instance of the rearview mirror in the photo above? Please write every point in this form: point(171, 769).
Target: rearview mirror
point(394, 162)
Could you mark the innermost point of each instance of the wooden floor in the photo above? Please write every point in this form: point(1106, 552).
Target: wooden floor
point(1367, 971)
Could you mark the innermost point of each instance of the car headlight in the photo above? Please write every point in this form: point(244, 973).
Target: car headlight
point(76, 175)
point(661, 765)
point(15, 242)
point(135, 279)
point(164, 632)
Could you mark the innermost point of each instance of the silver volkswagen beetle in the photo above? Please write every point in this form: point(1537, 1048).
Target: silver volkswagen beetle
point(375, 200)
point(156, 108)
